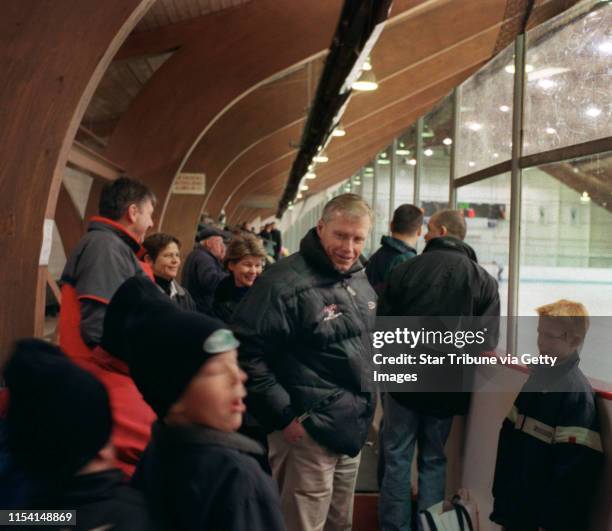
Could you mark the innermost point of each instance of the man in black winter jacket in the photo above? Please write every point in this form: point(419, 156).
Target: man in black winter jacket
point(445, 280)
point(304, 330)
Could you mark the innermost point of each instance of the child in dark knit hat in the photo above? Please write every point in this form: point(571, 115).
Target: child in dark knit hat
point(57, 429)
point(197, 473)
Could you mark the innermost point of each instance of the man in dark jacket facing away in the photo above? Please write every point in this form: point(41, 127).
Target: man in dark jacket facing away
point(304, 330)
point(203, 269)
point(445, 280)
point(397, 248)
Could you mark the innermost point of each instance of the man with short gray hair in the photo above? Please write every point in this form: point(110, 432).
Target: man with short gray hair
point(304, 331)
point(445, 280)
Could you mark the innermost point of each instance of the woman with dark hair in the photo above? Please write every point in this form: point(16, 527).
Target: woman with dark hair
point(164, 256)
point(244, 259)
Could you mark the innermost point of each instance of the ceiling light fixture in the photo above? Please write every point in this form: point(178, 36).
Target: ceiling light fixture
point(447, 141)
point(339, 131)
point(402, 152)
point(504, 108)
point(366, 82)
point(546, 84)
point(550, 130)
point(428, 152)
point(474, 126)
point(304, 187)
point(593, 111)
point(412, 162)
point(310, 175)
point(320, 157)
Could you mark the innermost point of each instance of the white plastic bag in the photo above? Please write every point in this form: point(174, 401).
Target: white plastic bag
point(460, 514)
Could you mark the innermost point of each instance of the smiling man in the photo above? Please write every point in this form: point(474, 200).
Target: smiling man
point(304, 329)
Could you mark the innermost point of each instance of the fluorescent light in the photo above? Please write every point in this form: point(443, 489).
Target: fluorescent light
point(366, 82)
point(585, 198)
point(412, 162)
point(550, 130)
point(383, 155)
point(310, 175)
point(320, 158)
point(339, 131)
point(367, 65)
point(474, 126)
point(428, 152)
point(447, 141)
point(384, 162)
point(510, 68)
point(299, 196)
point(504, 108)
point(304, 187)
point(471, 164)
point(495, 155)
point(402, 152)
point(605, 47)
point(546, 83)
point(593, 111)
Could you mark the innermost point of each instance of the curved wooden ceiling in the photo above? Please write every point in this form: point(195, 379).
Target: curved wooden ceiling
point(232, 100)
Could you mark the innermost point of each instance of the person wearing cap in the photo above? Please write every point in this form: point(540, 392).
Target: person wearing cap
point(164, 256)
point(197, 473)
point(203, 269)
point(244, 259)
point(58, 428)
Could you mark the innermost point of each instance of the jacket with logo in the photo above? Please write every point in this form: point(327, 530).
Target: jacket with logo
point(549, 452)
point(304, 330)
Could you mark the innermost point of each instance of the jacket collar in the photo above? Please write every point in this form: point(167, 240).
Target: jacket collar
point(227, 289)
point(313, 252)
point(450, 243)
point(106, 224)
point(198, 247)
point(83, 489)
point(204, 436)
point(397, 245)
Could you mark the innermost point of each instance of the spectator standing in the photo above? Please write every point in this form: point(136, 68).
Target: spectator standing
point(104, 258)
point(304, 328)
point(277, 238)
point(244, 260)
point(203, 269)
point(550, 452)
point(397, 248)
point(163, 254)
point(445, 280)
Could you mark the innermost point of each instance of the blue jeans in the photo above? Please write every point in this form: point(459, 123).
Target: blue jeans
point(403, 428)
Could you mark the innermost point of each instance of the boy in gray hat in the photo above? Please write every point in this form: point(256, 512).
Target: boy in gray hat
point(197, 473)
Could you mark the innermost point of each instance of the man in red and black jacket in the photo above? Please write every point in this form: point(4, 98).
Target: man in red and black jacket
point(104, 258)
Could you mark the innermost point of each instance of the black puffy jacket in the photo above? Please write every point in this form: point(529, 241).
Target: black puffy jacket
point(445, 280)
point(305, 330)
point(549, 455)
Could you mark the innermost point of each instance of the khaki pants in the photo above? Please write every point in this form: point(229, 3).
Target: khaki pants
point(316, 486)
